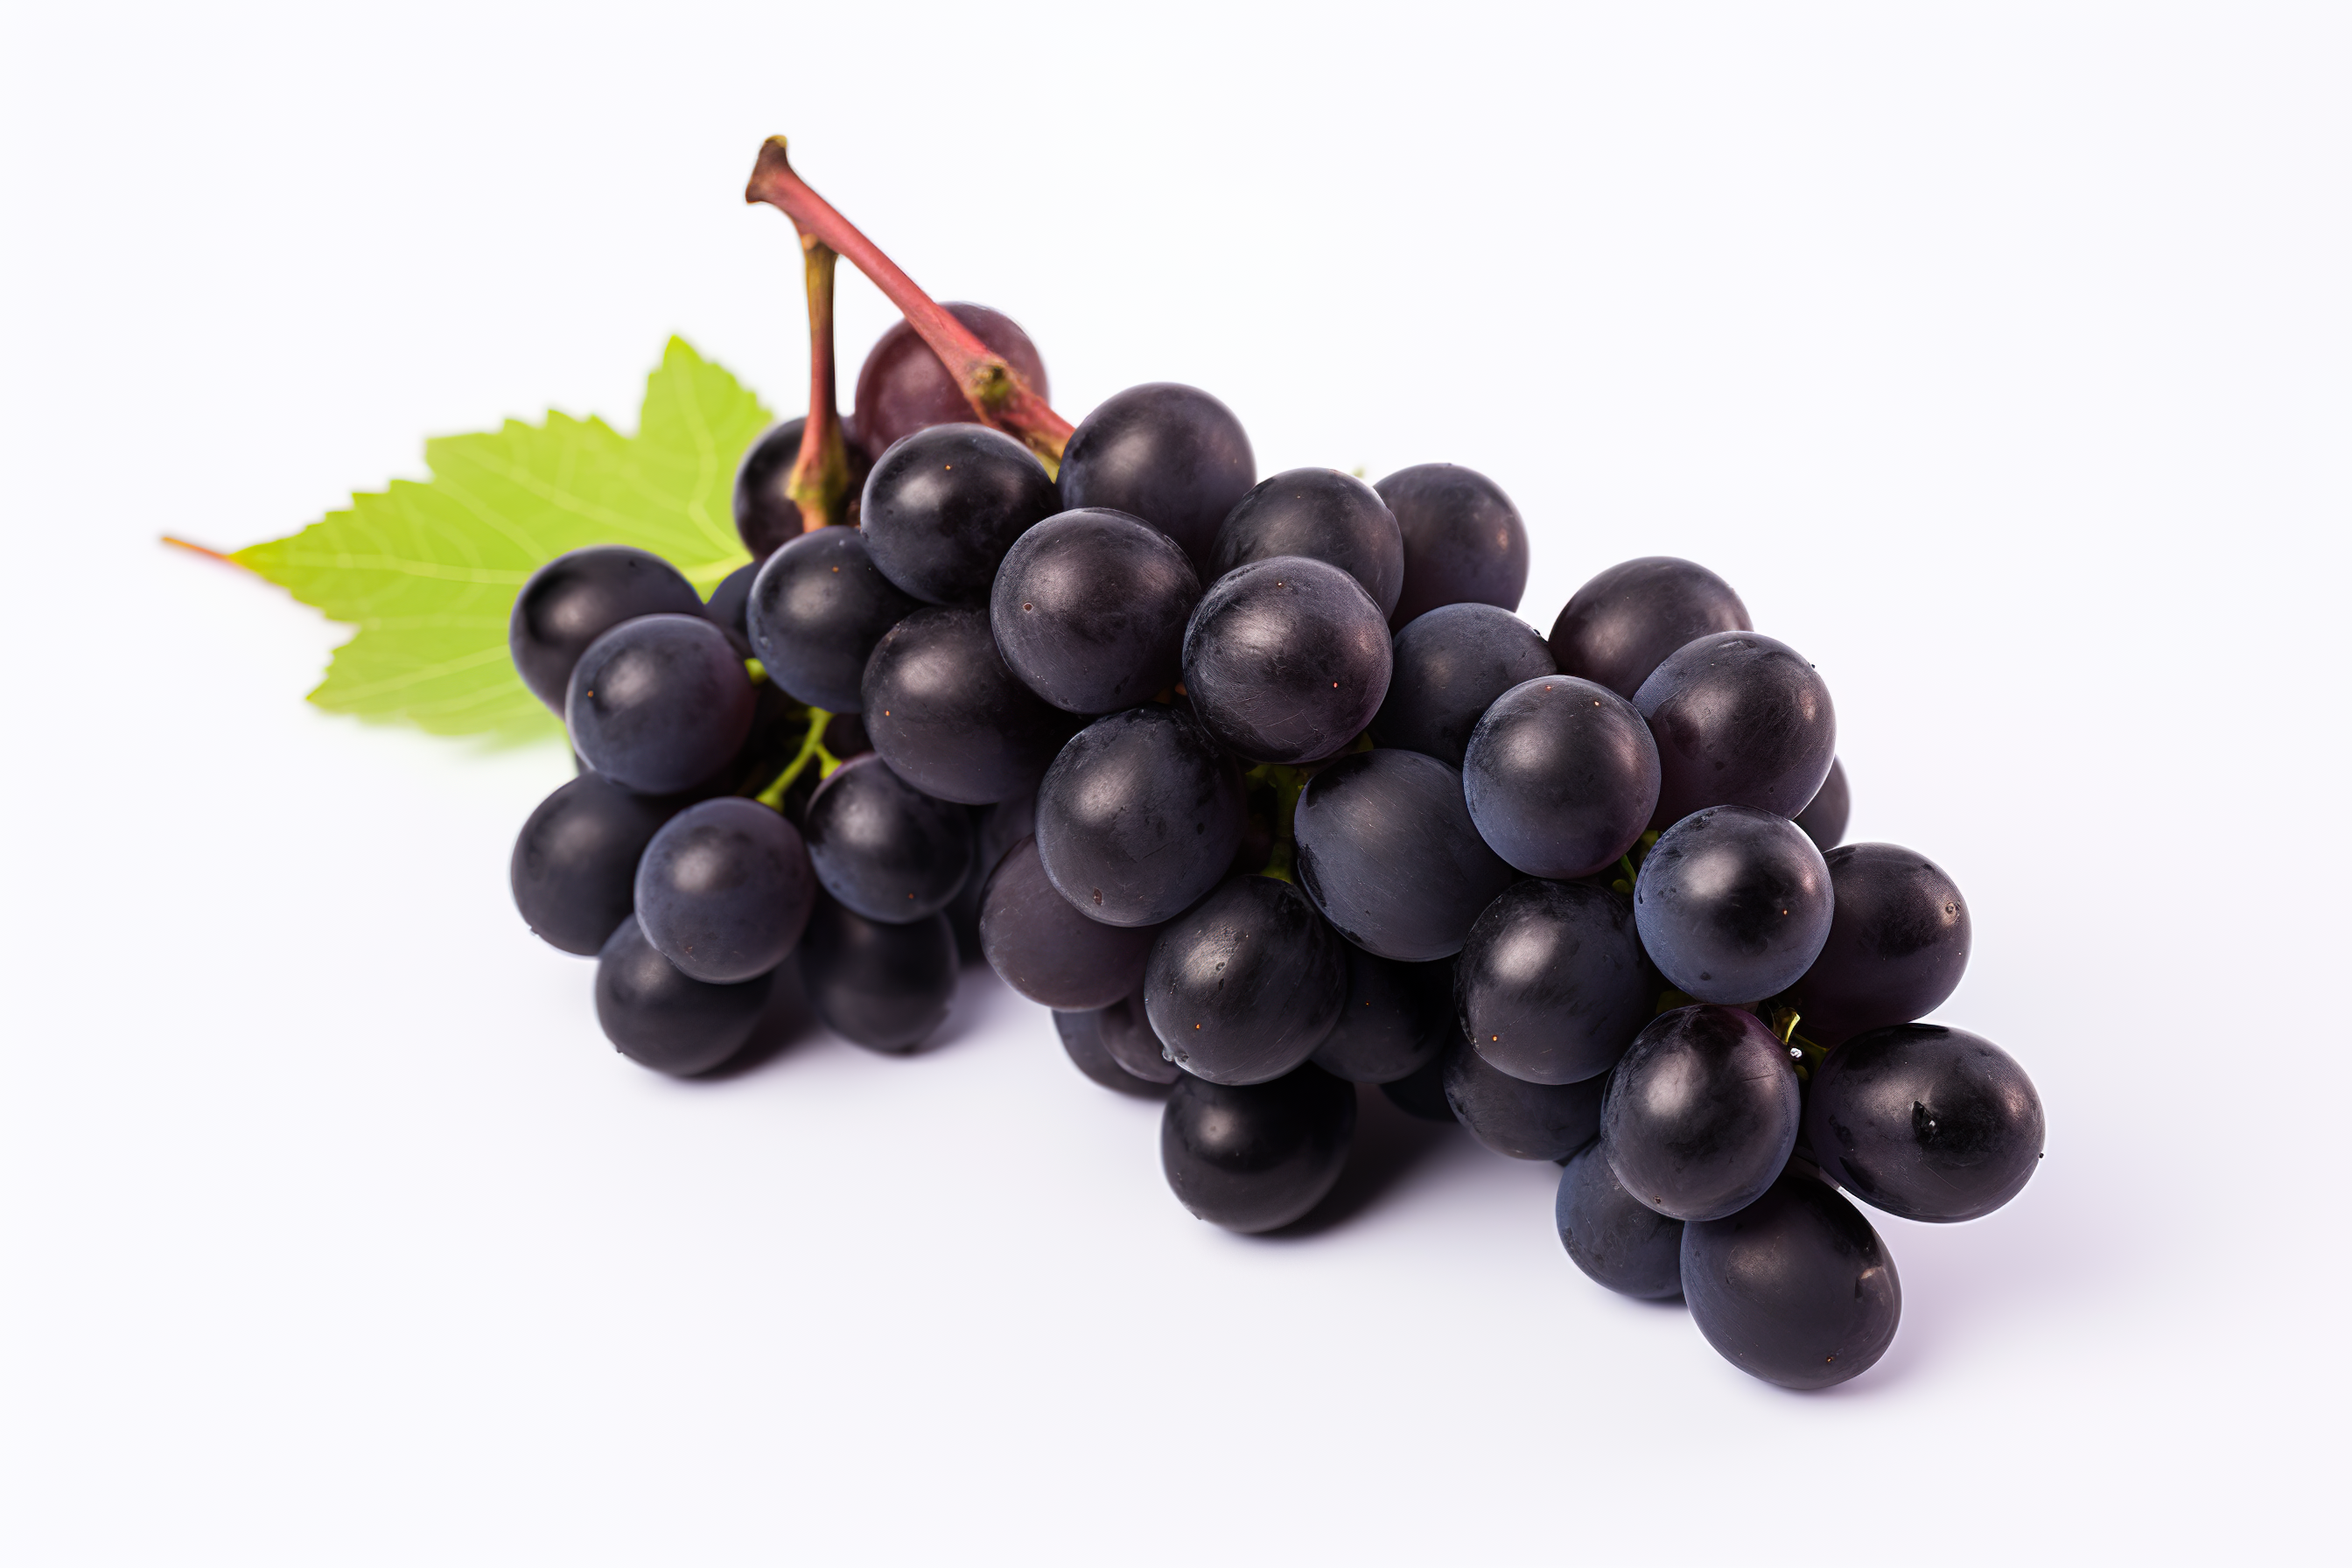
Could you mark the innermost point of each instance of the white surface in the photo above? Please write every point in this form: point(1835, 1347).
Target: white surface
point(1998, 355)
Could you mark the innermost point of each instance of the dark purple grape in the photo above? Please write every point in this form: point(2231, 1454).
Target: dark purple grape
point(886, 987)
point(1323, 515)
point(659, 704)
point(1924, 1122)
point(1082, 1037)
point(943, 506)
point(662, 1018)
point(1387, 851)
point(1139, 816)
point(883, 847)
point(1898, 943)
point(725, 890)
point(765, 517)
point(578, 597)
point(1511, 1116)
point(1702, 1112)
point(1420, 1093)
point(1795, 1288)
point(575, 861)
point(1733, 904)
point(1171, 455)
point(1615, 1239)
point(902, 388)
point(1048, 952)
point(1254, 1158)
point(1127, 1035)
point(1396, 1019)
point(1622, 624)
point(1825, 820)
point(1463, 541)
point(1286, 660)
point(1551, 986)
point(1089, 610)
point(1740, 719)
point(817, 608)
point(949, 718)
point(727, 606)
point(1241, 987)
point(1449, 666)
point(1561, 777)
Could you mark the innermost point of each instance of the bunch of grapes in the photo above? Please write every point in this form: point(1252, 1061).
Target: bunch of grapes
point(1264, 789)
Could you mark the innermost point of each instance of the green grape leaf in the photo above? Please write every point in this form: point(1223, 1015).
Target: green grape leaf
point(428, 573)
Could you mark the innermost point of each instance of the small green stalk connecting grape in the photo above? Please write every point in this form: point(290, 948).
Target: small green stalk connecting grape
point(812, 751)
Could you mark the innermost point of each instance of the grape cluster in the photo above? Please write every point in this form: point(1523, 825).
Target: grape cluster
point(1264, 787)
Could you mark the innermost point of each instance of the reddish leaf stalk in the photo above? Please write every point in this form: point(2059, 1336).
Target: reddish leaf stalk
point(996, 392)
point(819, 482)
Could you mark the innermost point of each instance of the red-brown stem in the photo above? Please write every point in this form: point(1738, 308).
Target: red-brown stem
point(195, 549)
point(995, 389)
point(819, 482)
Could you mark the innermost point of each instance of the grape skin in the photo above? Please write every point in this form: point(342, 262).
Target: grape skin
point(1127, 1035)
point(1824, 819)
point(1395, 1020)
point(1615, 1239)
point(1167, 453)
point(1420, 1093)
point(1387, 851)
point(1286, 660)
point(662, 1018)
point(1561, 777)
point(817, 608)
point(949, 718)
point(1139, 816)
point(766, 519)
point(1089, 610)
point(1463, 541)
point(1733, 904)
point(724, 890)
point(1552, 986)
point(1924, 1122)
point(883, 847)
point(942, 507)
point(1081, 1034)
point(886, 987)
point(1511, 1116)
point(659, 704)
point(1044, 949)
point(1898, 943)
point(1622, 624)
point(1448, 669)
point(1740, 719)
point(579, 596)
point(1796, 1288)
point(1702, 1113)
point(1322, 515)
point(902, 386)
point(1241, 987)
point(1254, 1158)
point(575, 869)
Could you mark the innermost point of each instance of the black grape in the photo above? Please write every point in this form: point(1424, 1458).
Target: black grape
point(1825, 820)
point(1561, 777)
point(1702, 1112)
point(1733, 904)
point(1796, 1288)
point(1420, 1093)
point(943, 506)
point(949, 718)
point(1171, 455)
point(578, 597)
point(725, 890)
point(1396, 1018)
point(1449, 666)
point(575, 861)
point(727, 606)
point(883, 847)
point(1001, 825)
point(661, 1018)
point(1924, 1122)
point(1621, 625)
point(1089, 610)
point(1286, 660)
point(817, 608)
point(1387, 851)
point(903, 387)
point(1898, 943)
point(659, 704)
point(765, 517)
point(1048, 952)
point(1511, 1116)
point(1241, 987)
point(1082, 1038)
point(1127, 1035)
point(1463, 541)
point(1614, 1238)
point(1552, 986)
point(1323, 515)
point(1254, 1158)
point(1139, 816)
point(886, 987)
point(1740, 719)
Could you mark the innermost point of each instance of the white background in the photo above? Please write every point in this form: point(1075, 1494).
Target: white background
point(1999, 356)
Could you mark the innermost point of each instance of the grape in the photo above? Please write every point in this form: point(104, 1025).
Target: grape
point(727, 606)
point(883, 847)
point(1171, 455)
point(1898, 942)
point(1254, 1158)
point(575, 861)
point(1241, 987)
point(886, 987)
point(1796, 1288)
point(816, 610)
point(1733, 904)
point(949, 718)
point(1449, 667)
point(1420, 1093)
point(578, 597)
point(1387, 851)
point(943, 506)
point(1395, 1020)
point(997, 828)
point(1463, 541)
point(1702, 1112)
point(1511, 1116)
point(1552, 986)
point(1127, 1035)
point(1825, 820)
point(1561, 777)
point(662, 1018)
point(659, 704)
point(725, 890)
point(1286, 660)
point(1082, 1038)
point(1089, 610)
point(1740, 719)
point(902, 388)
point(1139, 816)
point(1621, 625)
point(1924, 1122)
point(765, 517)
point(1048, 952)
point(1614, 1238)
point(1323, 515)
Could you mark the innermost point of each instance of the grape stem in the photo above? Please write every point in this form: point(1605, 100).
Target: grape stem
point(812, 751)
point(1282, 863)
point(819, 482)
point(997, 391)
